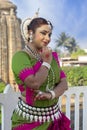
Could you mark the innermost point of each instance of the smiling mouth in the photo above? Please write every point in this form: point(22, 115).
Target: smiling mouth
point(45, 43)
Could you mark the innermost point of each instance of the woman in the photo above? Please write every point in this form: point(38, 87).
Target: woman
point(40, 79)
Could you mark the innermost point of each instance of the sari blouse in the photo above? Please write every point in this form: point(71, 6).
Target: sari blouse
point(23, 66)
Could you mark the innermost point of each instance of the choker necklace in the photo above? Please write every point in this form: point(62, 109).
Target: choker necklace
point(37, 56)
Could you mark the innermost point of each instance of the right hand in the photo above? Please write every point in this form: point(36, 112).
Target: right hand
point(42, 95)
point(46, 54)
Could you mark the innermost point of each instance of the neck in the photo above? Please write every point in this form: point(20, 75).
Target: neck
point(33, 51)
point(31, 45)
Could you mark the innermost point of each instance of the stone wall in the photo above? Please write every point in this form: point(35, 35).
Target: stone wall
point(10, 39)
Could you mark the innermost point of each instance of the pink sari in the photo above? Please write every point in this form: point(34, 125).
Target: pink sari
point(27, 126)
point(63, 123)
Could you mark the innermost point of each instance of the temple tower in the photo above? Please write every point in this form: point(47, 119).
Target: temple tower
point(10, 38)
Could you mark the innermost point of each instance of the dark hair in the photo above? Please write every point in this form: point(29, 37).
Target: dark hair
point(37, 22)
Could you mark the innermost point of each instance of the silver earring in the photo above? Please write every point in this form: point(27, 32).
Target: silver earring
point(31, 37)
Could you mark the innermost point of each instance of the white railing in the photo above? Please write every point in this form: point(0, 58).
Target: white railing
point(8, 101)
point(80, 95)
point(9, 98)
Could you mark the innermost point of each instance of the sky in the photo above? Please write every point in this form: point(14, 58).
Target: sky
point(69, 16)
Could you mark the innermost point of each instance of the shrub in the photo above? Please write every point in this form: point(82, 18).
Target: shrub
point(2, 86)
point(76, 76)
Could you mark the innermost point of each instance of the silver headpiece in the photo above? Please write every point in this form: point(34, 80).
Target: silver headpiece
point(24, 29)
point(49, 24)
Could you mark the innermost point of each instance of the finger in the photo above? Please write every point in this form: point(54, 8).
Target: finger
point(49, 48)
point(38, 91)
point(38, 95)
point(42, 97)
point(47, 55)
point(44, 48)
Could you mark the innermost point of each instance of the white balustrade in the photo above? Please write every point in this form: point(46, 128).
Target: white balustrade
point(77, 91)
point(8, 101)
point(9, 98)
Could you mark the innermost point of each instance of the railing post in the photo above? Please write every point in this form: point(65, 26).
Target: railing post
point(8, 101)
point(6, 125)
point(77, 111)
point(68, 106)
point(85, 111)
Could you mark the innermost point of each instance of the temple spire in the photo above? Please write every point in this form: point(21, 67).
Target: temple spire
point(10, 38)
point(37, 13)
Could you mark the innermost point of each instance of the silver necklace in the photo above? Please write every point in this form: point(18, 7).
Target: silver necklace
point(37, 56)
point(48, 81)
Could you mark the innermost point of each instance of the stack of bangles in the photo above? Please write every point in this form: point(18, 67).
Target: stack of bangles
point(47, 65)
point(53, 95)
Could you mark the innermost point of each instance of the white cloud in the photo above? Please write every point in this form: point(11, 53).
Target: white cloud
point(64, 18)
point(83, 43)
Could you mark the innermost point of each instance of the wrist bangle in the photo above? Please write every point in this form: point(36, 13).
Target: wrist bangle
point(46, 64)
point(52, 93)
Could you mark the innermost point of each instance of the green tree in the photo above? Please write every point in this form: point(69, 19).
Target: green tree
point(79, 52)
point(62, 40)
point(2, 86)
point(67, 42)
point(72, 45)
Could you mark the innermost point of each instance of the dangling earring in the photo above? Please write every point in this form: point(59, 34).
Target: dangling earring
point(31, 37)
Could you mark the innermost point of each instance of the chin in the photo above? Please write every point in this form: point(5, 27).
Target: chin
point(39, 47)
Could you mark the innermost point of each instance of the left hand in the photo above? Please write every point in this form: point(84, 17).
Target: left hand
point(42, 95)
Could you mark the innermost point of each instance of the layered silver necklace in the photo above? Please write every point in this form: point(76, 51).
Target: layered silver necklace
point(33, 53)
point(37, 56)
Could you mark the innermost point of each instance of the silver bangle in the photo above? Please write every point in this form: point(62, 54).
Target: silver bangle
point(46, 65)
point(52, 93)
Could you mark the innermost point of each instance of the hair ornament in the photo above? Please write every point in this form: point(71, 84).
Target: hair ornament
point(49, 24)
point(24, 30)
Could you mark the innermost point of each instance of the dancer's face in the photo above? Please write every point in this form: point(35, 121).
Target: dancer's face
point(42, 36)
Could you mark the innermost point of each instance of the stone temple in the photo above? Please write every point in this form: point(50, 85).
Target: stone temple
point(10, 39)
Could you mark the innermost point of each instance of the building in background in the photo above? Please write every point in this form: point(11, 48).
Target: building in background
point(10, 38)
point(68, 61)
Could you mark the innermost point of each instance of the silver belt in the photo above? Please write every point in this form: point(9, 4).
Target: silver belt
point(37, 114)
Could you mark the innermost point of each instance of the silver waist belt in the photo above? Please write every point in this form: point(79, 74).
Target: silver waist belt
point(36, 113)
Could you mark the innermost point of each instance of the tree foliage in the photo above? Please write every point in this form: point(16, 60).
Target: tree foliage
point(76, 76)
point(79, 52)
point(67, 42)
point(2, 86)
